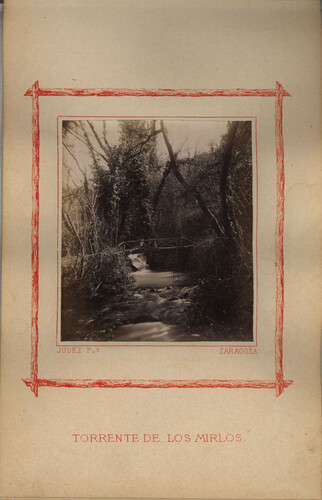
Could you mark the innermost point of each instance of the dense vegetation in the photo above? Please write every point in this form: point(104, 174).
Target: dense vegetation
point(129, 191)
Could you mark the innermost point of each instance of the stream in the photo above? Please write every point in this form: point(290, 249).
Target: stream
point(157, 310)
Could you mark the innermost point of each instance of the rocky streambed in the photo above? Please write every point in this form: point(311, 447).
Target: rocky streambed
point(143, 314)
point(155, 309)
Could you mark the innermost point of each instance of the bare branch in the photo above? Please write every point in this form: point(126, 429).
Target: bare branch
point(74, 157)
point(105, 136)
point(141, 144)
point(89, 144)
point(98, 139)
point(157, 195)
point(71, 226)
point(224, 172)
point(173, 162)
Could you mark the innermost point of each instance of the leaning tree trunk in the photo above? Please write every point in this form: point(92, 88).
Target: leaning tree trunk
point(223, 177)
point(193, 190)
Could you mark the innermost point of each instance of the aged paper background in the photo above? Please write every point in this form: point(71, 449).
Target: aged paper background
point(169, 44)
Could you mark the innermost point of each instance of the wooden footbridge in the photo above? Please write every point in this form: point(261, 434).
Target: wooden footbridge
point(133, 246)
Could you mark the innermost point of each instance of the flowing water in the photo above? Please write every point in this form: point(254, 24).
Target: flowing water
point(145, 278)
point(159, 310)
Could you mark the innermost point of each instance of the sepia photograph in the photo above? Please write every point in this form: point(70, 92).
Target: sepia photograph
point(157, 230)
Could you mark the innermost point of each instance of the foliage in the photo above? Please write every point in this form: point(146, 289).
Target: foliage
point(223, 266)
point(124, 200)
point(224, 294)
point(110, 205)
point(128, 192)
point(106, 275)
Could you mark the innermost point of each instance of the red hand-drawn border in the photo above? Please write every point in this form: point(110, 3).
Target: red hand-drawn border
point(279, 383)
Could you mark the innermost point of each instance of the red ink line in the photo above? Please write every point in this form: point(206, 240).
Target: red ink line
point(161, 117)
point(217, 345)
point(165, 344)
point(279, 384)
point(159, 384)
point(35, 238)
point(256, 235)
point(279, 250)
point(59, 92)
point(58, 215)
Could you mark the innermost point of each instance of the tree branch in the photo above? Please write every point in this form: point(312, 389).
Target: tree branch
point(141, 144)
point(157, 195)
point(105, 136)
point(224, 172)
point(173, 163)
point(72, 228)
point(91, 147)
point(98, 139)
point(74, 157)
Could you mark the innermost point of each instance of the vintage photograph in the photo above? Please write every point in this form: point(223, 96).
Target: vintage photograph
point(156, 230)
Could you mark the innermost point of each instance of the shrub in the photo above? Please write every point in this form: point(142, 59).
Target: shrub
point(224, 291)
point(106, 274)
point(207, 257)
point(212, 301)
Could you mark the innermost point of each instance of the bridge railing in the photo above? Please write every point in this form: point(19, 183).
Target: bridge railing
point(156, 243)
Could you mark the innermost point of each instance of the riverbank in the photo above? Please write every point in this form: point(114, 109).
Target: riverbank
point(161, 311)
point(154, 308)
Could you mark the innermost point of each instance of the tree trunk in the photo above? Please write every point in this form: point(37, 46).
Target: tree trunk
point(173, 163)
point(158, 193)
point(223, 178)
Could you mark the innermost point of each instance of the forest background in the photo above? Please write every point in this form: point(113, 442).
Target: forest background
point(131, 180)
